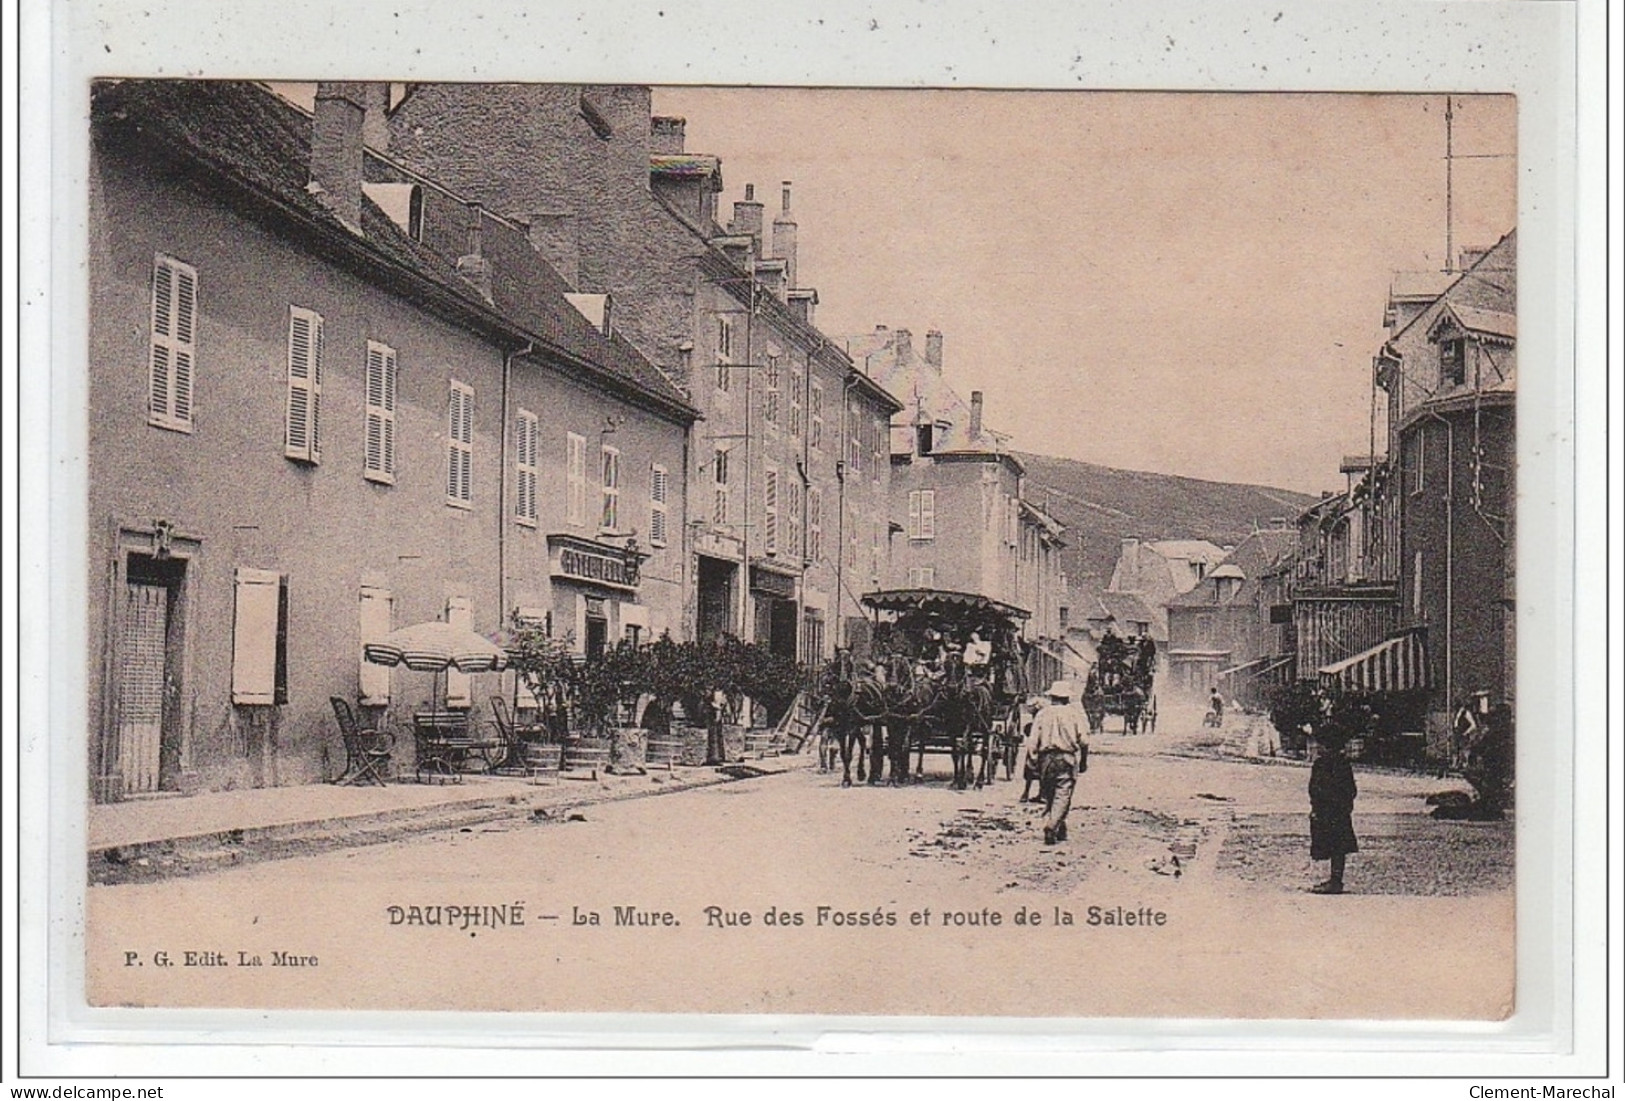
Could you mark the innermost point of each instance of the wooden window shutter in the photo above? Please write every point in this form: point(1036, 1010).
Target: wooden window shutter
point(525, 462)
point(377, 616)
point(659, 499)
point(928, 514)
point(770, 510)
point(302, 439)
point(459, 690)
point(460, 444)
point(609, 518)
point(576, 479)
point(173, 356)
point(254, 636)
point(379, 448)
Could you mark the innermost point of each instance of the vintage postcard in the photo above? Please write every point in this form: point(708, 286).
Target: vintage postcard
point(814, 551)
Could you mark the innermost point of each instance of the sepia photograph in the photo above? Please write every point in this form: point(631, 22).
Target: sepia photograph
point(801, 550)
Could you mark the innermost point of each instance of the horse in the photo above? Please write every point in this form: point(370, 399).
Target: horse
point(843, 690)
point(963, 706)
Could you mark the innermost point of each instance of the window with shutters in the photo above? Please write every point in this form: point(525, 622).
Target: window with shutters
point(378, 462)
point(377, 620)
point(302, 438)
point(793, 547)
point(526, 434)
point(575, 477)
point(797, 381)
point(815, 415)
point(259, 638)
point(770, 510)
point(460, 445)
point(770, 399)
point(1452, 362)
point(815, 524)
point(874, 555)
point(922, 514)
point(173, 359)
point(725, 352)
point(459, 686)
point(609, 516)
point(880, 441)
point(719, 475)
point(922, 577)
point(854, 445)
point(659, 500)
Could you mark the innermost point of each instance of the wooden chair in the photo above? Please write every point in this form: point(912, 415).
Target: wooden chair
point(367, 753)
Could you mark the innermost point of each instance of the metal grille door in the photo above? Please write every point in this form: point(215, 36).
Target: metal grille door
point(141, 685)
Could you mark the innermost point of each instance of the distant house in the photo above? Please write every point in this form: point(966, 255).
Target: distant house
point(1095, 609)
point(1221, 627)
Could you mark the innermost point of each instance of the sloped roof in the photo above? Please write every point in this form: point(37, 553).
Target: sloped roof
point(1472, 319)
point(921, 390)
point(1252, 558)
point(258, 145)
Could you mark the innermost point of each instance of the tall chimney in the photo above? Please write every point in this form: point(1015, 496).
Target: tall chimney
point(472, 265)
point(335, 149)
point(666, 134)
point(975, 400)
point(903, 343)
point(784, 238)
point(933, 350)
point(748, 220)
point(375, 127)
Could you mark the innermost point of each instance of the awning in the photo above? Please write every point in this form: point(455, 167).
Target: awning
point(1398, 665)
point(902, 600)
point(1266, 666)
point(1245, 667)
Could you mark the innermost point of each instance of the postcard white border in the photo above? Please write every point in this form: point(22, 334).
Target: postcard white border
point(1528, 48)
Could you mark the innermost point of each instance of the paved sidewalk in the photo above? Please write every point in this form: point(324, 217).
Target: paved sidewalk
point(144, 839)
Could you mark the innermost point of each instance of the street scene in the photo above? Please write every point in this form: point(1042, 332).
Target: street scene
point(512, 585)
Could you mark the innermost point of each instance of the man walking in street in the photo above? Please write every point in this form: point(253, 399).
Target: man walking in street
point(1060, 749)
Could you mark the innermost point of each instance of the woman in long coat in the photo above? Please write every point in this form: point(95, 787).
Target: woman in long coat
point(1331, 810)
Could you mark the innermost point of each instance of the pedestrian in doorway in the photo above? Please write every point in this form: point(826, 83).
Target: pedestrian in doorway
point(1059, 746)
point(1215, 706)
point(1331, 807)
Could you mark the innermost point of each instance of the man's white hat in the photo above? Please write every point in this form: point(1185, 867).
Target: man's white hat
point(1061, 690)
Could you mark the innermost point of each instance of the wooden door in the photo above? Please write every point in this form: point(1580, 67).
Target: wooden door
point(144, 682)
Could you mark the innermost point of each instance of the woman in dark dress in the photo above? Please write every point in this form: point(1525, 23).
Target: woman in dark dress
point(1331, 809)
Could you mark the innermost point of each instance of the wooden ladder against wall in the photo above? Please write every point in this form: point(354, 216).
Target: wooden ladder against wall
point(799, 723)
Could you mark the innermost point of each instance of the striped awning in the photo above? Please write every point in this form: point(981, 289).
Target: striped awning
point(1398, 665)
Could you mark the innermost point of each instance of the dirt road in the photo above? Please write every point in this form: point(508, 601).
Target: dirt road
point(1180, 892)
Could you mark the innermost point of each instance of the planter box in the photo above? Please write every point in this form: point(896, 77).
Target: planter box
point(693, 739)
point(629, 747)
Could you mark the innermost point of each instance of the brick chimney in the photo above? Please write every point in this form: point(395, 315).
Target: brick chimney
point(375, 127)
point(975, 396)
point(784, 238)
point(666, 134)
point(902, 342)
point(933, 350)
point(747, 220)
point(335, 149)
point(472, 265)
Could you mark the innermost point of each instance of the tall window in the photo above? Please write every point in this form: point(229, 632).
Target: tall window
point(922, 514)
point(792, 519)
point(609, 518)
point(1416, 456)
point(378, 463)
point(815, 524)
point(882, 443)
point(659, 499)
point(575, 479)
point(526, 435)
point(302, 436)
point(719, 476)
point(174, 344)
point(460, 445)
point(725, 353)
point(770, 400)
point(377, 614)
point(797, 381)
point(815, 415)
point(854, 449)
point(1452, 362)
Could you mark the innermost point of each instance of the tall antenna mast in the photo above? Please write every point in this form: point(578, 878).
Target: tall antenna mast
point(1449, 187)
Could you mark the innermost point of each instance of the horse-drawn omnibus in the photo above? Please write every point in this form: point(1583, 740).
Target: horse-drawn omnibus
point(945, 674)
point(1121, 684)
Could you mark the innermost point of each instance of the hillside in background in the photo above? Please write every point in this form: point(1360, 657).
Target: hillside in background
point(1101, 506)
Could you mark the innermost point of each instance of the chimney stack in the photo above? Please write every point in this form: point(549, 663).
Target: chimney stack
point(933, 350)
point(903, 342)
point(375, 127)
point(666, 134)
point(335, 149)
point(472, 265)
point(748, 220)
point(784, 239)
point(975, 398)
